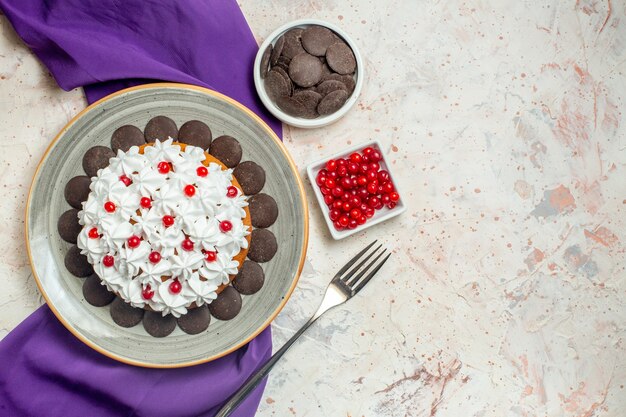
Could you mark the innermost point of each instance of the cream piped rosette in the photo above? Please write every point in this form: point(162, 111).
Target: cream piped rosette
point(164, 226)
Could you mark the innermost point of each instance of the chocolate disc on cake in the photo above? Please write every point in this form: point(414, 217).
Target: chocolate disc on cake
point(293, 45)
point(77, 263)
point(227, 149)
point(195, 133)
point(278, 49)
point(250, 278)
point(263, 210)
point(95, 293)
point(77, 190)
point(126, 137)
point(316, 39)
point(124, 314)
point(263, 245)
point(96, 158)
point(158, 325)
point(195, 321)
point(341, 58)
point(251, 177)
point(161, 128)
point(305, 70)
point(68, 226)
point(332, 102)
point(265, 60)
point(227, 304)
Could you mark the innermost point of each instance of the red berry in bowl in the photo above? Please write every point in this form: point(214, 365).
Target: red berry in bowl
point(93, 233)
point(337, 225)
point(338, 204)
point(145, 202)
point(330, 183)
point(356, 157)
point(383, 176)
point(343, 220)
point(352, 224)
point(328, 199)
point(127, 181)
point(332, 175)
point(372, 187)
point(336, 192)
point(346, 206)
point(375, 156)
point(363, 168)
point(163, 167)
point(385, 199)
point(109, 207)
point(342, 171)
point(387, 188)
point(368, 151)
point(325, 190)
point(345, 196)
point(371, 176)
point(374, 166)
point(334, 214)
point(361, 220)
point(353, 167)
point(391, 205)
point(346, 182)
point(369, 212)
point(361, 180)
point(355, 201)
point(331, 165)
point(231, 191)
point(154, 257)
point(341, 162)
point(394, 197)
point(355, 213)
point(320, 180)
point(373, 202)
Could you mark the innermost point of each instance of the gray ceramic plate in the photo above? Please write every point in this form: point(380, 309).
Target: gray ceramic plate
point(62, 161)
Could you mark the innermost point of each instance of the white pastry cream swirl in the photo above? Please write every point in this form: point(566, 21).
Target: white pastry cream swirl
point(126, 220)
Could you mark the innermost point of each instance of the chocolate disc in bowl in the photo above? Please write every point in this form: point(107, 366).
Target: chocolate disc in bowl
point(77, 263)
point(227, 304)
point(161, 128)
point(347, 80)
point(126, 137)
point(341, 58)
point(227, 149)
point(291, 106)
point(277, 50)
point(332, 102)
point(293, 45)
point(68, 226)
point(263, 210)
point(329, 86)
point(265, 60)
point(251, 177)
point(125, 315)
point(95, 293)
point(158, 325)
point(263, 245)
point(195, 321)
point(77, 190)
point(316, 39)
point(305, 70)
point(250, 278)
point(195, 133)
point(276, 85)
point(96, 158)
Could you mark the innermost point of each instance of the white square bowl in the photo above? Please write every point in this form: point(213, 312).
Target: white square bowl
point(379, 216)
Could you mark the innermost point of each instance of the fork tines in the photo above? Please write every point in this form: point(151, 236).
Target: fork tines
point(356, 278)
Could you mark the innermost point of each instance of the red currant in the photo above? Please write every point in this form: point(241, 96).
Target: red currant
point(325, 190)
point(328, 199)
point(338, 204)
point(355, 201)
point(385, 199)
point(210, 256)
point(373, 202)
point(342, 171)
point(336, 192)
point(345, 196)
point(226, 226)
point(352, 224)
point(363, 168)
point(361, 220)
point(346, 206)
point(133, 241)
point(391, 205)
point(375, 156)
point(394, 197)
point(371, 176)
point(355, 213)
point(372, 187)
point(168, 220)
point(330, 183)
point(341, 162)
point(383, 176)
point(108, 261)
point(93, 233)
point(387, 188)
point(145, 202)
point(175, 287)
point(334, 214)
point(356, 157)
point(374, 166)
point(190, 190)
point(154, 257)
point(369, 213)
point(202, 171)
point(353, 167)
point(332, 175)
point(147, 293)
point(343, 220)
point(367, 151)
point(127, 181)
point(320, 180)
point(232, 191)
point(337, 225)
point(363, 193)
point(361, 180)
point(331, 165)
point(109, 207)
point(163, 167)
point(346, 182)
point(187, 244)
point(364, 207)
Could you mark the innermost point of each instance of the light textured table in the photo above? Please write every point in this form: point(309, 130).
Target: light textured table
point(507, 291)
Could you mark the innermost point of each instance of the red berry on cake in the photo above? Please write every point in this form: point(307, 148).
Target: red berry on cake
point(108, 261)
point(133, 241)
point(210, 256)
point(154, 257)
point(145, 202)
point(202, 171)
point(187, 244)
point(168, 220)
point(190, 190)
point(109, 207)
point(175, 287)
point(127, 181)
point(163, 167)
point(226, 226)
point(93, 233)
point(147, 293)
point(232, 191)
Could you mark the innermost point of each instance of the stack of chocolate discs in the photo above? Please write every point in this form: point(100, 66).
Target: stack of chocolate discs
point(309, 72)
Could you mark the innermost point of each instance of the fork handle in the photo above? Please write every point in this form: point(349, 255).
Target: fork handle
point(256, 378)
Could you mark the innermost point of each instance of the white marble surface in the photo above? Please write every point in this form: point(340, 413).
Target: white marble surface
point(506, 294)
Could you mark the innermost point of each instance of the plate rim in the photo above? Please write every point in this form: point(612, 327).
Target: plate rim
point(291, 164)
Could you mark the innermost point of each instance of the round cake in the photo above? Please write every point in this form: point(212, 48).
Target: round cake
point(165, 226)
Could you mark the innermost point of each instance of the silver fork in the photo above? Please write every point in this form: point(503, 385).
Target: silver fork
point(345, 284)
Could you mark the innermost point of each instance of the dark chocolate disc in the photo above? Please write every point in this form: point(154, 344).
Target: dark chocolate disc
point(263, 210)
point(126, 137)
point(124, 314)
point(276, 85)
point(263, 245)
point(68, 226)
point(96, 158)
point(195, 133)
point(265, 60)
point(277, 50)
point(347, 80)
point(340, 58)
point(332, 102)
point(329, 86)
point(158, 325)
point(293, 45)
point(305, 70)
point(161, 128)
point(309, 99)
point(250, 278)
point(227, 304)
point(195, 321)
point(291, 106)
point(77, 191)
point(95, 293)
point(283, 60)
point(227, 149)
point(251, 177)
point(77, 263)
point(316, 39)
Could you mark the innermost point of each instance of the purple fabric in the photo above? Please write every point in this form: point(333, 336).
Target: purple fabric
point(106, 45)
